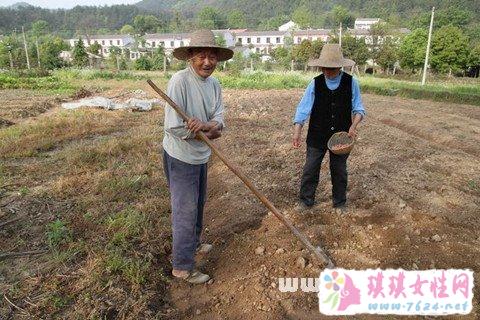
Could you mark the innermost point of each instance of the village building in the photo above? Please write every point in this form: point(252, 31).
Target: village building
point(106, 42)
point(365, 23)
point(261, 41)
point(312, 35)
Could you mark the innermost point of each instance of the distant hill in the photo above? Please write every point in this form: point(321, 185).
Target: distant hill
point(180, 15)
point(19, 5)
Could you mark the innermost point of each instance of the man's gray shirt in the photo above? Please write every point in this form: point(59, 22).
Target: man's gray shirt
point(198, 97)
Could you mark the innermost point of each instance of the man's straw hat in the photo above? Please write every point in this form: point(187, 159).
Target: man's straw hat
point(331, 57)
point(202, 39)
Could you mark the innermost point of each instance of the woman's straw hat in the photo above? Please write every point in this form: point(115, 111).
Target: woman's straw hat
point(202, 39)
point(331, 57)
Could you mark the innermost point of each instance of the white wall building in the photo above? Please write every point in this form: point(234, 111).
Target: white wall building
point(168, 41)
point(365, 23)
point(312, 35)
point(260, 41)
point(105, 41)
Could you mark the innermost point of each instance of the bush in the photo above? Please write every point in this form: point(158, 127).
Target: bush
point(143, 63)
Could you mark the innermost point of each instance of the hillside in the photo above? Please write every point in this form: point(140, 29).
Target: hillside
point(181, 15)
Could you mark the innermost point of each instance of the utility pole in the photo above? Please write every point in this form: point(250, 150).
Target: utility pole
point(425, 66)
point(164, 62)
point(340, 39)
point(10, 56)
point(25, 46)
point(38, 53)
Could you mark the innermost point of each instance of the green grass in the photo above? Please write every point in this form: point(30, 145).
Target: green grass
point(58, 233)
point(126, 225)
point(264, 80)
point(467, 93)
point(93, 74)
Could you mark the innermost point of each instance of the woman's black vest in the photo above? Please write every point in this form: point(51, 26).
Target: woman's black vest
point(331, 111)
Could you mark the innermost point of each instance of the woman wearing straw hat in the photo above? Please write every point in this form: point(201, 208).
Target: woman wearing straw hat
point(332, 102)
point(185, 158)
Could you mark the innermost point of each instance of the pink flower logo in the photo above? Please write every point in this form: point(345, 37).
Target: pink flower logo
point(341, 291)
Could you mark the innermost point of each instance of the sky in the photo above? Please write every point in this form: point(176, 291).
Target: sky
point(53, 4)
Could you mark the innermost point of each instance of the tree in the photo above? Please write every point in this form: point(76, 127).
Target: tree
point(236, 19)
point(220, 41)
point(387, 54)
point(209, 18)
point(95, 48)
point(79, 55)
point(237, 63)
point(146, 23)
point(143, 63)
point(413, 48)
point(50, 48)
point(449, 50)
point(355, 49)
point(451, 16)
point(157, 59)
point(11, 46)
point(40, 28)
point(127, 29)
point(474, 57)
point(273, 23)
point(114, 57)
point(302, 16)
point(339, 15)
point(282, 57)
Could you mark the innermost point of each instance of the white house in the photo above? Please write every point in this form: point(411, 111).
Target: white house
point(260, 41)
point(105, 41)
point(168, 41)
point(312, 35)
point(289, 26)
point(365, 23)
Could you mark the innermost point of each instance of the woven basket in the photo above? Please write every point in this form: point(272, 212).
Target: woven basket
point(341, 138)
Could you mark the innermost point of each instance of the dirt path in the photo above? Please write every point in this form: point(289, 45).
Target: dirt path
point(413, 174)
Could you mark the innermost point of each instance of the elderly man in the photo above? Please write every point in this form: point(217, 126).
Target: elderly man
point(185, 157)
point(332, 102)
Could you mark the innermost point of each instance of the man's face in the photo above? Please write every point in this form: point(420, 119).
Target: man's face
point(331, 72)
point(204, 61)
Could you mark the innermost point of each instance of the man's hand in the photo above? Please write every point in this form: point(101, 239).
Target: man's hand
point(297, 136)
point(352, 132)
point(214, 133)
point(196, 125)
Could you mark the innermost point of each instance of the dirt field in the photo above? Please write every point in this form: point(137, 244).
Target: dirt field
point(414, 203)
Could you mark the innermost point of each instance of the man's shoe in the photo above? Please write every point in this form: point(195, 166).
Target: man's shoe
point(204, 248)
point(193, 277)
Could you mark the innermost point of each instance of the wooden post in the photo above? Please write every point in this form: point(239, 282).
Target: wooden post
point(340, 38)
point(25, 46)
point(164, 62)
point(10, 56)
point(38, 53)
point(425, 66)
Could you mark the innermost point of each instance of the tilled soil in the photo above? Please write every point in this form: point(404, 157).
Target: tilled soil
point(413, 175)
point(414, 202)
